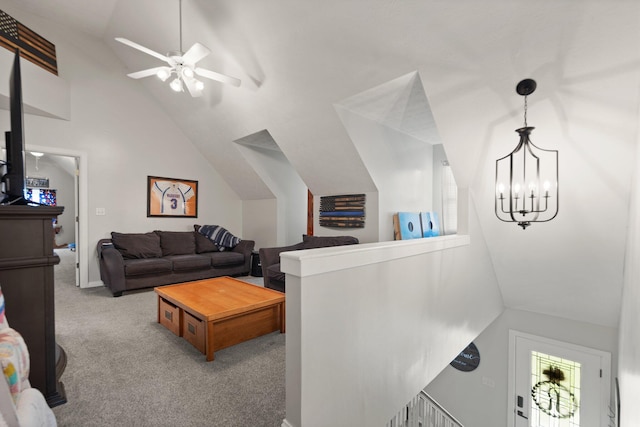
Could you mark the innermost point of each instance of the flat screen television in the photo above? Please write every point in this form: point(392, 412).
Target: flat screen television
point(41, 196)
point(14, 178)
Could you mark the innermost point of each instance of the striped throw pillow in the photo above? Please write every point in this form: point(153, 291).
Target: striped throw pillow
point(220, 236)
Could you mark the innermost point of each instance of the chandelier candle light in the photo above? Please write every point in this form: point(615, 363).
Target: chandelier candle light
point(527, 178)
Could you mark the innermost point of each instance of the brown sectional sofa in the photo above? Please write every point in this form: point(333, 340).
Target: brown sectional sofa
point(131, 261)
point(270, 257)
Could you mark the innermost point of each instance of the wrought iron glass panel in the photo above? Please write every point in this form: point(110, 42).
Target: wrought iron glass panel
point(555, 391)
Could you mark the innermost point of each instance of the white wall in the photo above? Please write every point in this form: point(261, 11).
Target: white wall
point(370, 325)
point(629, 344)
point(485, 389)
point(258, 222)
point(126, 137)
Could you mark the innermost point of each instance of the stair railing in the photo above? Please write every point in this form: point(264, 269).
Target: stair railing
point(423, 411)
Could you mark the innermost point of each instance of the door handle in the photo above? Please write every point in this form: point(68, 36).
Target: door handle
point(521, 405)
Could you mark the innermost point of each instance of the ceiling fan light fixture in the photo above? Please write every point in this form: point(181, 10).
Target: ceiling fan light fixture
point(163, 74)
point(183, 64)
point(187, 72)
point(176, 85)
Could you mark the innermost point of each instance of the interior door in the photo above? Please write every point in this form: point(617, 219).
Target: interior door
point(556, 384)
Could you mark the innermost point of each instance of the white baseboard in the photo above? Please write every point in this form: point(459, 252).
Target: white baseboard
point(94, 284)
point(286, 423)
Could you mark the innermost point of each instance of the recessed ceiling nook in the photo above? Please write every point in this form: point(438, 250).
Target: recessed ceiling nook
point(394, 132)
point(287, 215)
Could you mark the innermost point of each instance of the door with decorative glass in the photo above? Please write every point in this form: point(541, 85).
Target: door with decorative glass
point(556, 384)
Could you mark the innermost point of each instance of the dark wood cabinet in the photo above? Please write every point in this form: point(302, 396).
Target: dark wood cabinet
point(27, 280)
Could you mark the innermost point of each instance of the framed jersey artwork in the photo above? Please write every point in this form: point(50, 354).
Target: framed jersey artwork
point(172, 197)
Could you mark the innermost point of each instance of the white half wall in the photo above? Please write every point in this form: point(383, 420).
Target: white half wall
point(370, 325)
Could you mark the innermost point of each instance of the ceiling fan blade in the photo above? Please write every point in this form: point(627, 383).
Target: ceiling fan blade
point(217, 76)
point(142, 48)
point(148, 72)
point(192, 87)
point(195, 53)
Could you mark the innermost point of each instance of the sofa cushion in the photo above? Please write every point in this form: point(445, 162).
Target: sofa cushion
point(220, 236)
point(312, 242)
point(189, 262)
point(177, 242)
point(137, 245)
point(204, 245)
point(223, 259)
point(136, 267)
point(274, 273)
point(14, 361)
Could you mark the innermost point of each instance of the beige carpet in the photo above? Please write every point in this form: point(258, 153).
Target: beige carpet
point(124, 369)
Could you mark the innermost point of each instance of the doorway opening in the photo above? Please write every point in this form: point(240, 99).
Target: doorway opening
point(73, 222)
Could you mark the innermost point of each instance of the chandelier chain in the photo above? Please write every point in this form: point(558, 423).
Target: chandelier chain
point(525, 111)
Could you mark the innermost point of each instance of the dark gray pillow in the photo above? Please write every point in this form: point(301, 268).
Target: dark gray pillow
point(177, 242)
point(137, 245)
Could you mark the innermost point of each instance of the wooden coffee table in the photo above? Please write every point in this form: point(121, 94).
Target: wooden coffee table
point(213, 314)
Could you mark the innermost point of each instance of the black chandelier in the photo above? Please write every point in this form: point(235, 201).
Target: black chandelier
point(527, 178)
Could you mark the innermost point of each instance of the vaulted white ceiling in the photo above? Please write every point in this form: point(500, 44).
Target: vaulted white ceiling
point(298, 58)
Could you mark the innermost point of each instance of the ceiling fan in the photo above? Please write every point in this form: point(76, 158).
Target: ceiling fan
point(182, 66)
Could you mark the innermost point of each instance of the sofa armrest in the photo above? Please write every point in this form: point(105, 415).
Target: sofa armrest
point(271, 256)
point(111, 267)
point(245, 247)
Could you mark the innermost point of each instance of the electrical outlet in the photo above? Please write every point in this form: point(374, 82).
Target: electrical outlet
point(101, 211)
